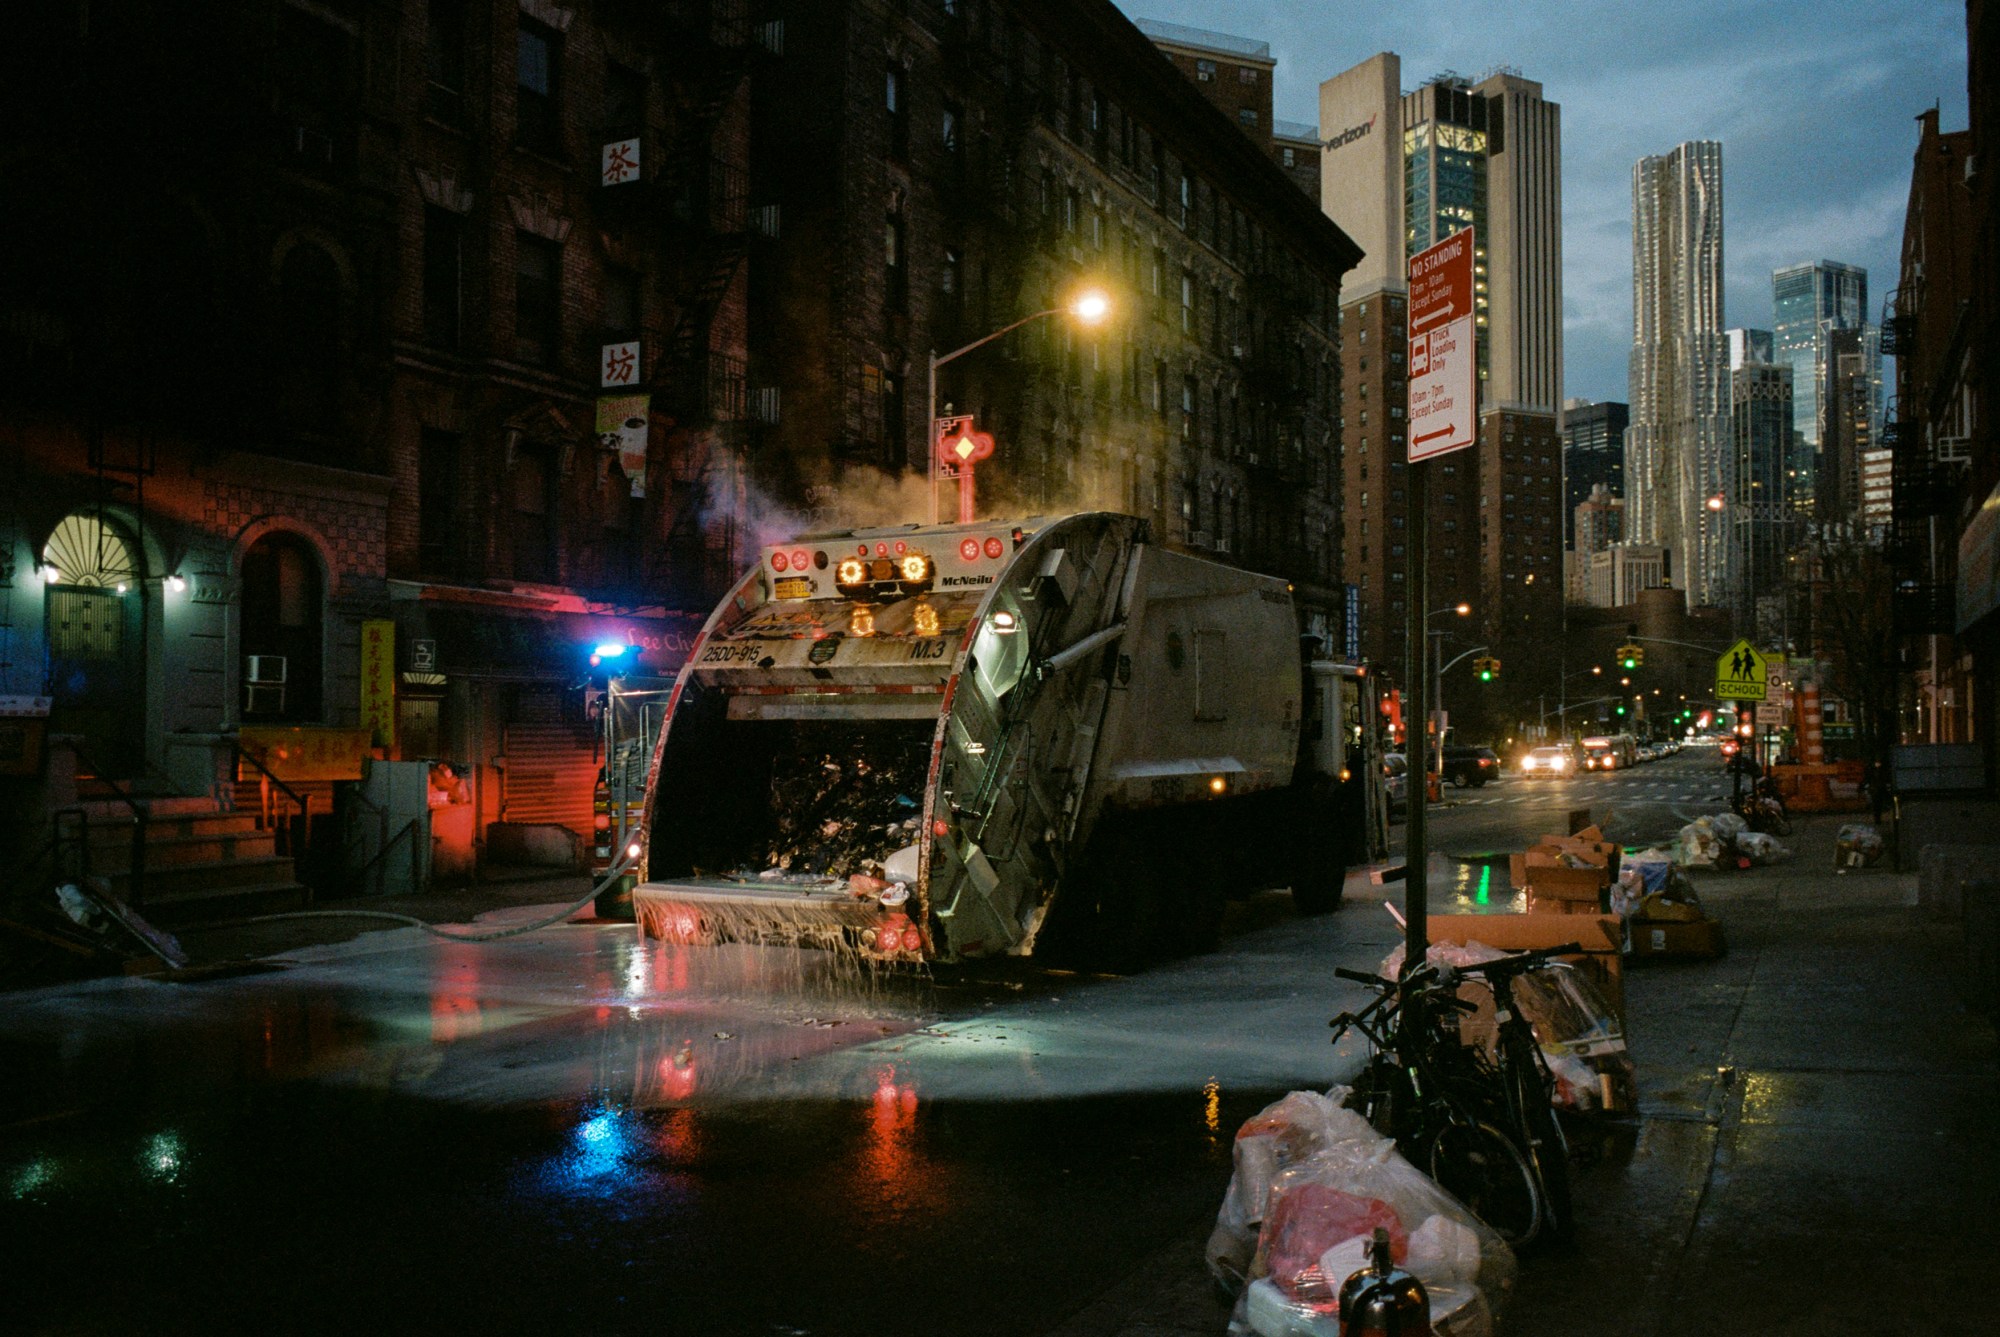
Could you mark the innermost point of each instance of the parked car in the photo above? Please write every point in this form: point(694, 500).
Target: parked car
point(1550, 760)
point(1396, 779)
point(1470, 765)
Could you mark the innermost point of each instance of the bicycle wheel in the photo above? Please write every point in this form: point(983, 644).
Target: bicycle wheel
point(1480, 1166)
point(1548, 1156)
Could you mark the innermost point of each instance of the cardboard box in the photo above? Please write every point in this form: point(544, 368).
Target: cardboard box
point(1700, 939)
point(1602, 938)
point(1552, 905)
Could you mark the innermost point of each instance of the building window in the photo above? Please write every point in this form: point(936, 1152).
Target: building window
point(895, 262)
point(308, 342)
point(1187, 408)
point(1187, 302)
point(948, 128)
point(1245, 75)
point(534, 516)
point(897, 105)
point(444, 60)
point(537, 87)
point(1204, 71)
point(282, 613)
point(439, 524)
point(444, 276)
point(1247, 118)
point(537, 298)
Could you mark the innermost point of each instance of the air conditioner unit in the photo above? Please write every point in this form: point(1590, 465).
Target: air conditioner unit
point(1222, 547)
point(264, 698)
point(1197, 538)
point(264, 669)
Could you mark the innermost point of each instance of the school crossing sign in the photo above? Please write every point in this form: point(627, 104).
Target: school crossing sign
point(1741, 674)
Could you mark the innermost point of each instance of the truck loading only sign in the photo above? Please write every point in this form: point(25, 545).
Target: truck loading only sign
point(1444, 377)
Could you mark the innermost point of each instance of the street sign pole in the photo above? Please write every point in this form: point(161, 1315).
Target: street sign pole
point(1443, 417)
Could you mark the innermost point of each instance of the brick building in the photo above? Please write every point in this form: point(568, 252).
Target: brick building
point(986, 162)
point(312, 347)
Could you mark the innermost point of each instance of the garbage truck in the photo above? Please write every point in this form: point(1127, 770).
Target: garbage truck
point(1056, 736)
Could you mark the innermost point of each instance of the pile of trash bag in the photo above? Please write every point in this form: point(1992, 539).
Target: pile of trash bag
point(1856, 845)
point(1312, 1183)
point(1725, 840)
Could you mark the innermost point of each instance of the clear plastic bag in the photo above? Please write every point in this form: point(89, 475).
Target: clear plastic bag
point(1319, 1210)
point(1292, 1130)
point(1760, 848)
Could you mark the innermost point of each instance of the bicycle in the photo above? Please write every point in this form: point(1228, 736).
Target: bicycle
point(1527, 1085)
point(1440, 1099)
point(1762, 808)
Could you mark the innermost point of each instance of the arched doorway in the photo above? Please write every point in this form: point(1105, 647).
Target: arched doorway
point(93, 620)
point(282, 615)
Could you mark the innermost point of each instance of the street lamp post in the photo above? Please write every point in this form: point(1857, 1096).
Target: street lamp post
point(1437, 696)
point(1090, 306)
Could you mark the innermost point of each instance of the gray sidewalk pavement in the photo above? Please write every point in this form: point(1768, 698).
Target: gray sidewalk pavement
point(1817, 1152)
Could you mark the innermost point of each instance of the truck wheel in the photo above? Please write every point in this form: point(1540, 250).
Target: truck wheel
point(1318, 885)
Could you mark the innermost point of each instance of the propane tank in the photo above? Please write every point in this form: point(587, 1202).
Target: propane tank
point(1382, 1300)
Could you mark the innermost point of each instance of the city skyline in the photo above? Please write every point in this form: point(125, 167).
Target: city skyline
point(1804, 185)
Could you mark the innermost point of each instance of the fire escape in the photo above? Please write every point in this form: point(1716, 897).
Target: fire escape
point(701, 372)
point(1923, 489)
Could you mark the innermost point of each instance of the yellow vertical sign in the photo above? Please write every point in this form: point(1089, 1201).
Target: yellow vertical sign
point(378, 682)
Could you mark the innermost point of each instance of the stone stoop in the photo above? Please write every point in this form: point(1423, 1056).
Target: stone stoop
point(202, 862)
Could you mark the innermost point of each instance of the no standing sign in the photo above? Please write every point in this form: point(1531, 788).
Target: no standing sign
point(1444, 377)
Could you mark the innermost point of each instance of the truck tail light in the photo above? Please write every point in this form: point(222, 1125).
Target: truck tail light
point(913, 941)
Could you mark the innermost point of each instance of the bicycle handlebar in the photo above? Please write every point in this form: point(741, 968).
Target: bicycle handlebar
point(1516, 962)
point(1361, 977)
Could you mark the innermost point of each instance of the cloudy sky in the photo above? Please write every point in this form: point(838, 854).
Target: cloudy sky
point(1814, 103)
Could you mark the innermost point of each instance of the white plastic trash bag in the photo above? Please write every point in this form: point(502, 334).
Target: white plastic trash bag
point(1728, 825)
point(1320, 1211)
point(1760, 848)
point(1856, 845)
point(1292, 1130)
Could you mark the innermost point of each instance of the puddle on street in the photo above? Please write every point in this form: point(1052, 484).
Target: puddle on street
point(886, 1214)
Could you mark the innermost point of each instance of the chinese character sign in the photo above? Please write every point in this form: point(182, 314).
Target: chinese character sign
point(378, 682)
point(620, 162)
point(618, 365)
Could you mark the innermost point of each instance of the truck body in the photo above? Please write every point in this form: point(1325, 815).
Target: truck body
point(956, 741)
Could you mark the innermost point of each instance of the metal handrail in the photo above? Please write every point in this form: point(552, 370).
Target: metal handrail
point(389, 842)
point(305, 808)
point(136, 886)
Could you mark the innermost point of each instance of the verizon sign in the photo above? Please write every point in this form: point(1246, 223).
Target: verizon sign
point(1444, 373)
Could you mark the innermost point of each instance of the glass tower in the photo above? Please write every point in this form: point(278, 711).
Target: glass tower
point(1810, 301)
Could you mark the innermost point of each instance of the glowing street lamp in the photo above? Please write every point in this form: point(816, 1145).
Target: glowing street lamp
point(1088, 306)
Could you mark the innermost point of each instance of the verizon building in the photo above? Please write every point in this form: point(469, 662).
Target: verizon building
point(1401, 171)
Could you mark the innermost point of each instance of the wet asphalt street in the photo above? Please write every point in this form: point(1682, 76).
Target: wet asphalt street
point(581, 1130)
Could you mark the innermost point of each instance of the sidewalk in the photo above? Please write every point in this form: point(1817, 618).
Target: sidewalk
point(1817, 1153)
point(500, 890)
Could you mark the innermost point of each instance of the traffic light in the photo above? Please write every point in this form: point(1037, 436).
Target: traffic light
point(1487, 668)
point(1631, 656)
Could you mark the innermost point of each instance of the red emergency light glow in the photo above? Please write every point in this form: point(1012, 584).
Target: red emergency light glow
point(913, 941)
point(968, 550)
point(901, 547)
point(994, 548)
point(881, 550)
point(798, 559)
point(778, 562)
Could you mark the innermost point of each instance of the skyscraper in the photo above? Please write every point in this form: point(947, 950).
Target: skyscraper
point(1400, 172)
point(1679, 469)
point(1593, 455)
point(1760, 410)
point(1809, 302)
